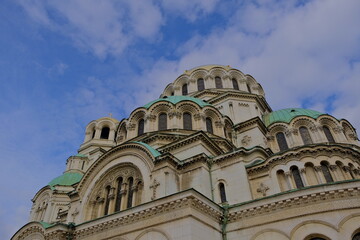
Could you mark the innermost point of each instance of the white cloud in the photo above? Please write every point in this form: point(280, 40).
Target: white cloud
point(296, 52)
point(102, 27)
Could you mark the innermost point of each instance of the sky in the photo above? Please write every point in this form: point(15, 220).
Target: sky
point(66, 63)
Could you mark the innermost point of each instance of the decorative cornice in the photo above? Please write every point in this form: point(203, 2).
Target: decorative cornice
point(302, 151)
point(294, 202)
point(190, 139)
point(185, 202)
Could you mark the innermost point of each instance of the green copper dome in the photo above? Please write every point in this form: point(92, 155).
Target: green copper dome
point(153, 151)
point(176, 99)
point(286, 115)
point(67, 179)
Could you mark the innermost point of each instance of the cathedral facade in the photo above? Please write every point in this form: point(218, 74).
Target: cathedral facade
point(208, 160)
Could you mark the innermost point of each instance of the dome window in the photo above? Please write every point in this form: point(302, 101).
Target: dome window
point(105, 133)
point(200, 84)
point(218, 82)
point(187, 121)
point(184, 89)
point(209, 126)
point(281, 140)
point(305, 135)
point(328, 134)
point(162, 121)
point(235, 84)
point(141, 127)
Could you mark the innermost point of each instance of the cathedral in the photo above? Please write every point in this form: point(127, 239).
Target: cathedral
point(208, 160)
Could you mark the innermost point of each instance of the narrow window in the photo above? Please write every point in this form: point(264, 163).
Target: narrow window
point(200, 84)
point(305, 135)
point(107, 201)
point(187, 121)
point(328, 134)
point(209, 126)
point(326, 172)
point(82, 165)
point(185, 89)
point(248, 88)
point(218, 82)
point(281, 140)
point(131, 192)
point(141, 127)
point(235, 84)
point(162, 121)
point(105, 133)
point(297, 178)
point(118, 194)
point(222, 193)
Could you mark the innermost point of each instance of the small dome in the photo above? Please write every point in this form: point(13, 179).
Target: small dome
point(67, 179)
point(176, 99)
point(288, 114)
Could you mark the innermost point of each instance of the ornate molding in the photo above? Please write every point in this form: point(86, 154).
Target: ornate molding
point(186, 202)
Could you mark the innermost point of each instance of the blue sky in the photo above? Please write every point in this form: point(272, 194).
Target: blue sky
point(65, 63)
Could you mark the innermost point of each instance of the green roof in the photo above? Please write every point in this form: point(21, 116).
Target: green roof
point(288, 114)
point(153, 151)
point(176, 99)
point(67, 179)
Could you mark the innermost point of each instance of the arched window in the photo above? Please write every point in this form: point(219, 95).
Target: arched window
point(248, 88)
point(141, 127)
point(187, 121)
point(185, 89)
point(218, 82)
point(297, 178)
point(131, 192)
point(222, 193)
point(356, 237)
point(235, 84)
point(305, 135)
point(209, 126)
point(200, 84)
point(281, 140)
point(107, 200)
point(105, 133)
point(328, 134)
point(162, 121)
point(326, 172)
point(351, 170)
point(118, 194)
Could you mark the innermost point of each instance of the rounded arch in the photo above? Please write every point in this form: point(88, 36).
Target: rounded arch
point(307, 229)
point(328, 120)
point(218, 71)
point(30, 230)
point(161, 107)
point(190, 107)
point(153, 233)
point(136, 115)
point(212, 113)
point(107, 122)
point(270, 234)
point(349, 226)
point(134, 153)
point(199, 73)
point(239, 76)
